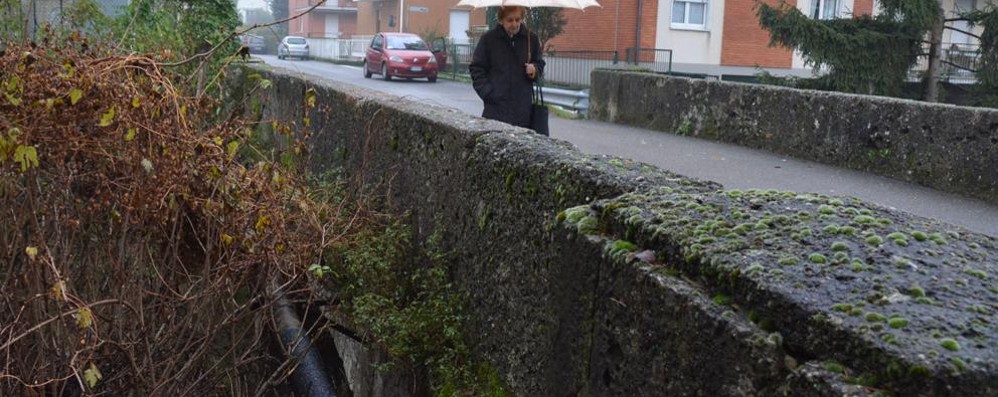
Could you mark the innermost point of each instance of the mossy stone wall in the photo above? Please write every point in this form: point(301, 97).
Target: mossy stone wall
point(583, 276)
point(946, 147)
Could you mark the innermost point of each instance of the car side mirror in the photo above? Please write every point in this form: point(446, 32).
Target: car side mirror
point(436, 50)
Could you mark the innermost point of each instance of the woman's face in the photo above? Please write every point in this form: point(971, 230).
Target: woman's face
point(512, 20)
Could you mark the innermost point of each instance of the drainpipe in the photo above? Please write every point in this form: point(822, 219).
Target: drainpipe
point(309, 377)
point(401, 15)
point(637, 34)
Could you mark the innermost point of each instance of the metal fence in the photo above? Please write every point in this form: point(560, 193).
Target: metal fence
point(654, 59)
point(572, 68)
point(337, 49)
point(959, 61)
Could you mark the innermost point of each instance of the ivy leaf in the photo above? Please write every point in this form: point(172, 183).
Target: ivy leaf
point(261, 223)
point(265, 84)
point(226, 239)
point(32, 252)
point(310, 97)
point(107, 118)
point(218, 140)
point(136, 102)
point(58, 290)
point(13, 83)
point(84, 318)
point(232, 148)
point(12, 99)
point(74, 95)
point(131, 134)
point(27, 156)
point(92, 375)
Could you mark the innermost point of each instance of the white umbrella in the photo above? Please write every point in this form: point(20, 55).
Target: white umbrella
point(578, 4)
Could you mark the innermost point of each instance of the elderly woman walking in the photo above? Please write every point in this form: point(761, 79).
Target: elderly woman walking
point(503, 72)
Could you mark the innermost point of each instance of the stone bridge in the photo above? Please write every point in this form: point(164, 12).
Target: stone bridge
point(603, 277)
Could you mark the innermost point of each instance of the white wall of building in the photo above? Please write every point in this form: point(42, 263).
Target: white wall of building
point(693, 46)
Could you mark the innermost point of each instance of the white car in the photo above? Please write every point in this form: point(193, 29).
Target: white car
point(293, 46)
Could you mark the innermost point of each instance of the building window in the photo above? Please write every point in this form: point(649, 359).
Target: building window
point(824, 9)
point(689, 14)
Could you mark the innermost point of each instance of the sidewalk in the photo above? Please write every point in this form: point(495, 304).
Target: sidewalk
point(735, 167)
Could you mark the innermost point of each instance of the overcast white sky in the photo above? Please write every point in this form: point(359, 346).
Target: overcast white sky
point(244, 4)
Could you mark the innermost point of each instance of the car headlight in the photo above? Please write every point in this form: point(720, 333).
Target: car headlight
point(433, 60)
point(395, 58)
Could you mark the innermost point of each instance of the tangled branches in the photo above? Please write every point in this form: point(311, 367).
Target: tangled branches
point(136, 245)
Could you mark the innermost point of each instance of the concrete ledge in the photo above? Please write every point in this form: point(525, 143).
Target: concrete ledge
point(901, 303)
point(945, 147)
point(564, 302)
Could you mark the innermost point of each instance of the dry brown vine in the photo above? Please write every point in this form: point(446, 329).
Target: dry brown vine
point(137, 245)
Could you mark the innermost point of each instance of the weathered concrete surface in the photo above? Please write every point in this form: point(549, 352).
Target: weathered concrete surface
point(946, 147)
point(559, 302)
point(906, 301)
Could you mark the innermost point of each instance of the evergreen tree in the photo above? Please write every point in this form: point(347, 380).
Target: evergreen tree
point(546, 23)
point(986, 90)
point(279, 9)
point(863, 54)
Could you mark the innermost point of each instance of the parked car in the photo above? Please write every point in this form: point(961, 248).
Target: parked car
point(400, 55)
point(292, 46)
point(255, 43)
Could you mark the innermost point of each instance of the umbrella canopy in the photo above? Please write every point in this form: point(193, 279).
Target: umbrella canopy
point(578, 4)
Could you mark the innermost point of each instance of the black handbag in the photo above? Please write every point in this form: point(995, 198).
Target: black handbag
point(539, 111)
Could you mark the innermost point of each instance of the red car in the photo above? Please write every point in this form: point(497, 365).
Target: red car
point(401, 55)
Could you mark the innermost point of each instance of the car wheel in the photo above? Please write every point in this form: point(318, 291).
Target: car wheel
point(384, 72)
point(367, 71)
point(432, 79)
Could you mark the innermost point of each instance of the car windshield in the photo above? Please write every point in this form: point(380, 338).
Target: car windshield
point(405, 43)
point(296, 40)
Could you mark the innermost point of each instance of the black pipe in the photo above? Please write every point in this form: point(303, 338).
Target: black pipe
point(309, 378)
point(637, 35)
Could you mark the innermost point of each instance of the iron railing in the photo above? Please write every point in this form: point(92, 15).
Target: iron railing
point(654, 59)
point(572, 68)
point(958, 64)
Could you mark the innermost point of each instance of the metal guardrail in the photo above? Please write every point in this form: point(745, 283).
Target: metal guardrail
point(576, 101)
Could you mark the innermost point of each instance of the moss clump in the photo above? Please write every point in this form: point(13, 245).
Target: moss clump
point(831, 229)
point(938, 239)
point(919, 371)
point(960, 365)
point(897, 322)
point(916, 292)
point(949, 344)
point(722, 299)
point(834, 366)
point(839, 246)
point(976, 273)
point(787, 261)
point(864, 220)
point(588, 225)
point(842, 307)
point(826, 209)
point(847, 230)
point(817, 258)
point(874, 240)
point(919, 236)
point(875, 317)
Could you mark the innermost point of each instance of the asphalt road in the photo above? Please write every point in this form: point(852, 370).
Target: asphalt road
point(733, 166)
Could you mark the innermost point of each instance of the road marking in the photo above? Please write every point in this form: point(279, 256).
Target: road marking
point(351, 67)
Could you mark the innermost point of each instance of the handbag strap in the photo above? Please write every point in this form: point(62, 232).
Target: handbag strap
point(538, 92)
point(538, 85)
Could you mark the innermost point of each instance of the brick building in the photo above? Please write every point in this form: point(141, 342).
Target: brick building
point(334, 19)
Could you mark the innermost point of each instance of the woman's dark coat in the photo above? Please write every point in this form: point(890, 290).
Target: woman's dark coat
point(499, 75)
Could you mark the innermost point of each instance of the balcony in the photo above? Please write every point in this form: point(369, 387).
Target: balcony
point(331, 6)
